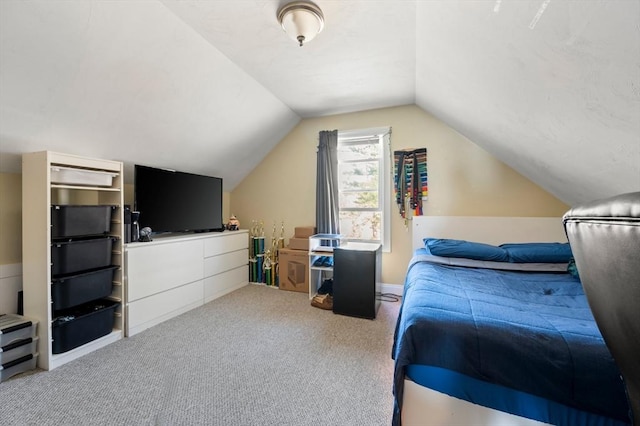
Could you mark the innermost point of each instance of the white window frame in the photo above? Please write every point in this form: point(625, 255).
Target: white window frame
point(384, 185)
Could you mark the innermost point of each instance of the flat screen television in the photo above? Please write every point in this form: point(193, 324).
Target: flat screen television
point(172, 201)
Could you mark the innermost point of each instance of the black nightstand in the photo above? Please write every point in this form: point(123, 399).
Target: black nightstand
point(356, 279)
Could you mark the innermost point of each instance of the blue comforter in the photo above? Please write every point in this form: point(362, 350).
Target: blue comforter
point(528, 331)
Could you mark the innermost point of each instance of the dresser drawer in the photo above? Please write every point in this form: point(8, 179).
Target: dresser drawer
point(224, 262)
point(226, 282)
point(224, 243)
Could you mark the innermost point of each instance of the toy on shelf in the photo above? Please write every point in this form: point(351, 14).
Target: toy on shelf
point(233, 224)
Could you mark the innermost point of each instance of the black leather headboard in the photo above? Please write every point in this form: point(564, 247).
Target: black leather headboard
point(605, 241)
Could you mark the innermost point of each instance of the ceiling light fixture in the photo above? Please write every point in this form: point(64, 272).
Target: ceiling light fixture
point(301, 20)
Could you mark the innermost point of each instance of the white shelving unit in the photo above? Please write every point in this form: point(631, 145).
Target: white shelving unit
point(321, 245)
point(38, 194)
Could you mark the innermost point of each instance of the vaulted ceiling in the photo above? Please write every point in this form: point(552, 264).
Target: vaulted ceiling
point(550, 87)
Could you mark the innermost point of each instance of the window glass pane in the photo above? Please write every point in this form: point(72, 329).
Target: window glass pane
point(359, 200)
point(362, 169)
point(360, 225)
point(358, 151)
point(361, 175)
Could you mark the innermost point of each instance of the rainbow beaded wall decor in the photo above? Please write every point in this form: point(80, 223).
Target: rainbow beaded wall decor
point(410, 181)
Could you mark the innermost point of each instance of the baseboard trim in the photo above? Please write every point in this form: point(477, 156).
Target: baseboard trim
point(11, 270)
point(396, 289)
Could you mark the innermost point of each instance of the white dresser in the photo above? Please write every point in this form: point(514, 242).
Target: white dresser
point(174, 274)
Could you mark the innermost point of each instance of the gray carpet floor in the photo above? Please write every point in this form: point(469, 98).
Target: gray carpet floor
point(257, 356)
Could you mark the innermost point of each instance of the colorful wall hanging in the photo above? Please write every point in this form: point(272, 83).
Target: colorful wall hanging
point(410, 180)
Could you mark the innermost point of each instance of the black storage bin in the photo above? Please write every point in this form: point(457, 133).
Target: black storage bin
point(75, 221)
point(76, 326)
point(72, 290)
point(68, 257)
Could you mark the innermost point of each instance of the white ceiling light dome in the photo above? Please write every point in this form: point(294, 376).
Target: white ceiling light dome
point(301, 20)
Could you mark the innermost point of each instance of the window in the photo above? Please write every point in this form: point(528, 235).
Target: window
point(364, 183)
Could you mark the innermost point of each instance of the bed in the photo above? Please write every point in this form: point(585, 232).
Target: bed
point(499, 342)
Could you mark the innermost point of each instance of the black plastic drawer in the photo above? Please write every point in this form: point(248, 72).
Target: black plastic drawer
point(74, 221)
point(72, 290)
point(68, 257)
point(77, 326)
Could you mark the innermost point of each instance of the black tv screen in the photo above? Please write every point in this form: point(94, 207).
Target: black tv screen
point(172, 201)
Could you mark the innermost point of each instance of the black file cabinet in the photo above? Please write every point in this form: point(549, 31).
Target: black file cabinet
point(356, 279)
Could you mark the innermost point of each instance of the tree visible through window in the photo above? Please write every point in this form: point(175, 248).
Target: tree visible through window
point(363, 166)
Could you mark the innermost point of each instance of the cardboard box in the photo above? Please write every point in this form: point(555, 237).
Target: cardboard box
point(304, 231)
point(299, 244)
point(293, 270)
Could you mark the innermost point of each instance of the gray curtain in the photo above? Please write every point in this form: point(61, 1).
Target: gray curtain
point(327, 184)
